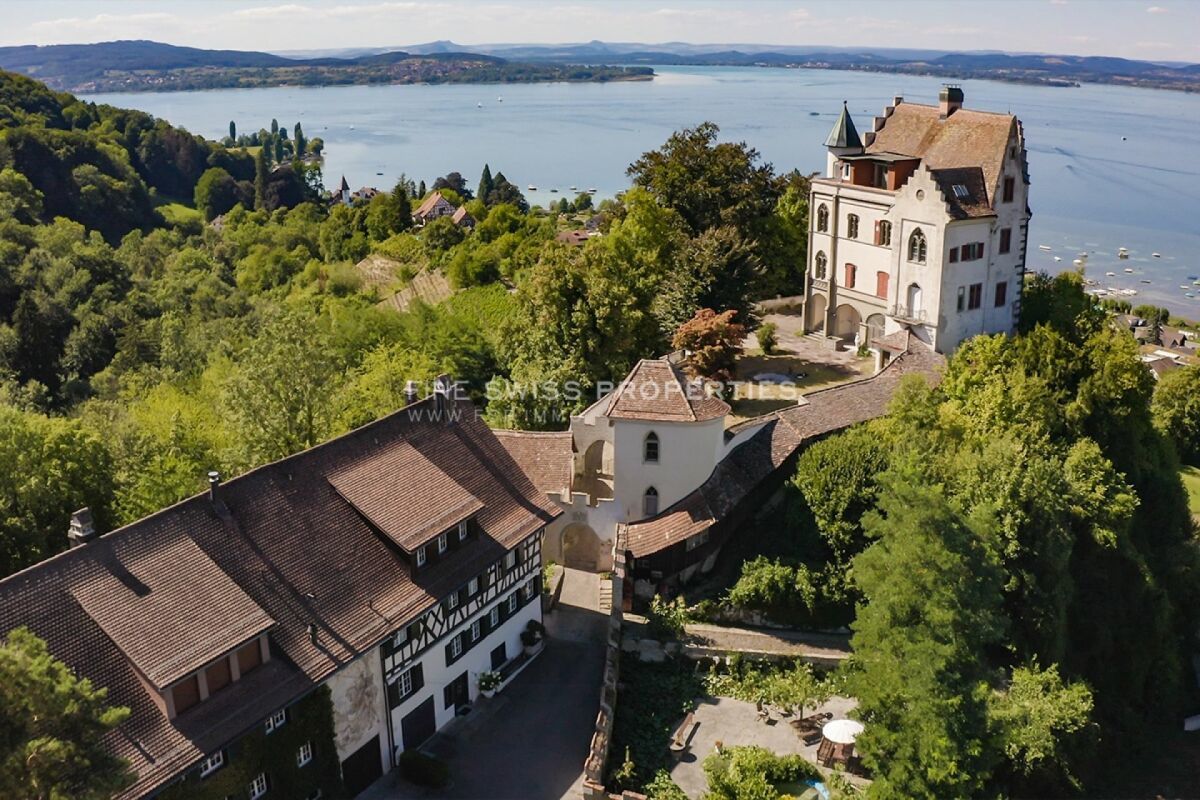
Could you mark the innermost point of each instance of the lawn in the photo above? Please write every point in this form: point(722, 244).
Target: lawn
point(1191, 482)
point(752, 399)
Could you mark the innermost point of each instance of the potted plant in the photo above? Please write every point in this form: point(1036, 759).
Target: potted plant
point(489, 683)
point(532, 636)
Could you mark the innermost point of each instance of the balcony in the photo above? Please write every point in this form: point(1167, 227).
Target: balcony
point(907, 314)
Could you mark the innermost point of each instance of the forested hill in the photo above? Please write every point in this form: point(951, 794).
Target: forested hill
point(101, 166)
point(154, 66)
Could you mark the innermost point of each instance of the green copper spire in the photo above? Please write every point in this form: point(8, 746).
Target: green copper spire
point(843, 133)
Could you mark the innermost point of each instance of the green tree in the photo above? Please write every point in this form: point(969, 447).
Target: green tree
point(1045, 725)
point(260, 178)
point(1059, 302)
point(49, 467)
point(216, 193)
point(441, 234)
point(486, 184)
point(55, 725)
point(283, 388)
point(1176, 407)
point(932, 605)
point(300, 143)
point(233, 130)
point(713, 342)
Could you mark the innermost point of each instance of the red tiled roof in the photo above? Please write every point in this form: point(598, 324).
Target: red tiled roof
point(462, 215)
point(433, 201)
point(289, 545)
point(657, 391)
point(167, 606)
point(545, 457)
point(405, 495)
point(967, 138)
point(781, 433)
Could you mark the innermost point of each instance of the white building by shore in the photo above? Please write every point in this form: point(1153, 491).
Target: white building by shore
point(920, 224)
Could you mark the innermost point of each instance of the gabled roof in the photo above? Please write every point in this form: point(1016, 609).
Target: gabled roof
point(433, 201)
point(345, 187)
point(462, 215)
point(404, 494)
point(780, 435)
point(655, 390)
point(967, 138)
point(291, 549)
point(167, 606)
point(844, 133)
point(547, 458)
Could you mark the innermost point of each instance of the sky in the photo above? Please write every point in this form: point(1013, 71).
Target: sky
point(1158, 30)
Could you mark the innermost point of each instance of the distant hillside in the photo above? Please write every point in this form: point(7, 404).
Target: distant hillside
point(152, 66)
point(1055, 70)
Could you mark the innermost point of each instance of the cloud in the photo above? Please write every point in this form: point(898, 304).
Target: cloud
point(1156, 10)
point(1058, 2)
point(104, 20)
point(1154, 46)
point(296, 11)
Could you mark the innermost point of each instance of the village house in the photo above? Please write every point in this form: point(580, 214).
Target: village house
point(433, 207)
point(920, 225)
point(463, 219)
point(385, 570)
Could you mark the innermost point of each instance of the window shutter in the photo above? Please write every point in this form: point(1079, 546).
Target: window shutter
point(418, 678)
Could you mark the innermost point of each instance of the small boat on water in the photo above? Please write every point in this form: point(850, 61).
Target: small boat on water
point(1156, 255)
point(1194, 277)
point(814, 113)
point(1143, 280)
point(554, 191)
point(1059, 258)
point(531, 188)
point(499, 99)
point(1129, 269)
point(479, 105)
point(1188, 294)
point(1045, 247)
point(1079, 262)
point(1122, 252)
point(1184, 286)
point(378, 173)
point(1110, 274)
point(592, 190)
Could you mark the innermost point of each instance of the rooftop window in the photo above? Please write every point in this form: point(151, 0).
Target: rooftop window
point(960, 191)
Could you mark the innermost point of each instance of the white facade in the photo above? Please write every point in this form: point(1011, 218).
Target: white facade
point(865, 276)
point(405, 690)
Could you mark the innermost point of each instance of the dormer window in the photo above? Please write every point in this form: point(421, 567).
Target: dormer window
point(400, 638)
point(462, 531)
point(650, 448)
point(473, 587)
point(443, 543)
point(421, 556)
point(276, 721)
point(960, 191)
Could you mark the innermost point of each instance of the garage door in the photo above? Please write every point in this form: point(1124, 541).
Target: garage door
point(362, 768)
point(418, 725)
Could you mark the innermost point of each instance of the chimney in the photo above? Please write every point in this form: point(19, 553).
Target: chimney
point(441, 394)
point(214, 482)
point(82, 529)
point(410, 393)
point(950, 99)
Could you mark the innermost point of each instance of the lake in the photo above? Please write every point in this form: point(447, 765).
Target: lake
point(1110, 166)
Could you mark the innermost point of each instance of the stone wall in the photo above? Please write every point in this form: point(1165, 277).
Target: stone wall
point(594, 766)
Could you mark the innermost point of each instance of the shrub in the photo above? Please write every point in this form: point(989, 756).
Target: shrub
point(663, 788)
point(489, 681)
point(666, 618)
point(423, 770)
point(744, 772)
point(767, 338)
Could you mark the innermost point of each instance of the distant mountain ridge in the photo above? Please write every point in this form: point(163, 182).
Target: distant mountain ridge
point(152, 66)
point(144, 65)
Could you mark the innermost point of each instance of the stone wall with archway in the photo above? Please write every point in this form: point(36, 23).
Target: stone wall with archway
point(581, 547)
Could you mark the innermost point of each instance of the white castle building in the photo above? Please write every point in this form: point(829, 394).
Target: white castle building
point(920, 224)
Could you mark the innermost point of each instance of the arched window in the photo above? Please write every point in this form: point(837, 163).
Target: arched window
point(650, 448)
point(650, 502)
point(822, 218)
point(852, 226)
point(851, 275)
point(884, 237)
point(822, 264)
point(917, 247)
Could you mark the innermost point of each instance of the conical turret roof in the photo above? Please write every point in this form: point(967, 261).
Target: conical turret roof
point(843, 133)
